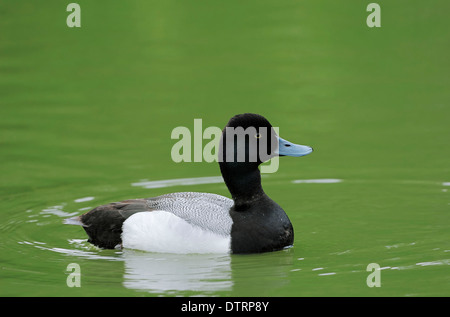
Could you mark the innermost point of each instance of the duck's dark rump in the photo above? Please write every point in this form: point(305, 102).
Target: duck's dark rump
point(103, 224)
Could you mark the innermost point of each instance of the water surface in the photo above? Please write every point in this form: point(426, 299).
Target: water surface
point(86, 116)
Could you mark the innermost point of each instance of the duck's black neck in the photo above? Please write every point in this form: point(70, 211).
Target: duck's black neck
point(243, 182)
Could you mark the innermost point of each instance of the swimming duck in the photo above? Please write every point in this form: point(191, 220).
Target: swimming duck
point(192, 222)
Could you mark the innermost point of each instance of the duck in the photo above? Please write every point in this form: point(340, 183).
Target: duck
point(197, 222)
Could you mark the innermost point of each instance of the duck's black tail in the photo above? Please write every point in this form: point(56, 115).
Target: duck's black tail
point(103, 224)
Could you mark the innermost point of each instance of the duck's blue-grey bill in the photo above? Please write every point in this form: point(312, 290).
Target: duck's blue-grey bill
point(286, 148)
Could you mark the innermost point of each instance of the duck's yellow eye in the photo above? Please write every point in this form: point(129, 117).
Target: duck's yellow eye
point(258, 135)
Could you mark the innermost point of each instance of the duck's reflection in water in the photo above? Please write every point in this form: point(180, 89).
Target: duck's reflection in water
point(171, 273)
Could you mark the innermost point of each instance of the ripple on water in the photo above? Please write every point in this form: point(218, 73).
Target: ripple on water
point(179, 182)
point(317, 181)
point(23, 231)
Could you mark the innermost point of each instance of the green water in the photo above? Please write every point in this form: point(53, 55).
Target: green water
point(87, 112)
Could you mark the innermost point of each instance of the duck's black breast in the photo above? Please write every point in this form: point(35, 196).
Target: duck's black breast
point(262, 227)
